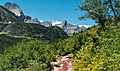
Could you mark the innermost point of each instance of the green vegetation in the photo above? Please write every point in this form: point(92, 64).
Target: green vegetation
point(95, 49)
point(101, 11)
point(44, 33)
point(32, 30)
point(92, 50)
point(102, 54)
point(7, 41)
point(33, 55)
point(7, 16)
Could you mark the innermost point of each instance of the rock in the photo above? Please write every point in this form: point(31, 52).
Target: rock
point(69, 28)
point(63, 63)
point(28, 17)
point(46, 24)
point(29, 20)
point(7, 16)
point(13, 7)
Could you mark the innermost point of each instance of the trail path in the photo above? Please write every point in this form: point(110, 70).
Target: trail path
point(63, 63)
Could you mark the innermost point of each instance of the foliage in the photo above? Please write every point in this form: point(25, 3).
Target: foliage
point(101, 10)
point(33, 55)
point(92, 50)
point(45, 33)
point(7, 41)
point(103, 55)
point(32, 30)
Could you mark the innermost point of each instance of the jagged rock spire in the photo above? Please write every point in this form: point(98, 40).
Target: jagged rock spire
point(13, 7)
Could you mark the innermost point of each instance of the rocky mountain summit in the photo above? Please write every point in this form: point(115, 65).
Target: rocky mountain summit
point(28, 19)
point(46, 23)
point(13, 7)
point(7, 16)
point(69, 28)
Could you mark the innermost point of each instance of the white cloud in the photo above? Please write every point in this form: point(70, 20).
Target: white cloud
point(41, 20)
point(56, 22)
point(85, 26)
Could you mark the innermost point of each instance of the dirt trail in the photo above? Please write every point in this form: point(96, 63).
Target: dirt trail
point(63, 63)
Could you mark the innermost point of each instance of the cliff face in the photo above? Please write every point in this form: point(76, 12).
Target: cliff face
point(15, 9)
point(69, 28)
point(7, 16)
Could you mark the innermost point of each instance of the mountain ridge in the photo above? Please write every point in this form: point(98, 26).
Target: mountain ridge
point(69, 28)
point(13, 7)
point(11, 24)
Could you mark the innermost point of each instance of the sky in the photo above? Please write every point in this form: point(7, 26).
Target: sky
point(52, 10)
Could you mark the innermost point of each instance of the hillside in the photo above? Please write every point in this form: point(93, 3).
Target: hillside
point(33, 30)
point(102, 53)
point(36, 31)
point(7, 41)
point(92, 51)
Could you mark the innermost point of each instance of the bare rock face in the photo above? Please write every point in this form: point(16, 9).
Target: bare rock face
point(7, 16)
point(69, 28)
point(15, 9)
point(46, 23)
point(29, 20)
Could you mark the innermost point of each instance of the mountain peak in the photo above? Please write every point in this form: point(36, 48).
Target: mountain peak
point(7, 16)
point(13, 7)
point(64, 22)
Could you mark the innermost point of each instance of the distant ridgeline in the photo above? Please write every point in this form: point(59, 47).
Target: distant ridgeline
point(18, 13)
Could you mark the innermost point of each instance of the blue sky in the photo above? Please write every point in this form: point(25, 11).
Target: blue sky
point(51, 10)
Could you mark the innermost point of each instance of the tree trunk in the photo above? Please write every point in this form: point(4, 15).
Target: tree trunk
point(112, 8)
